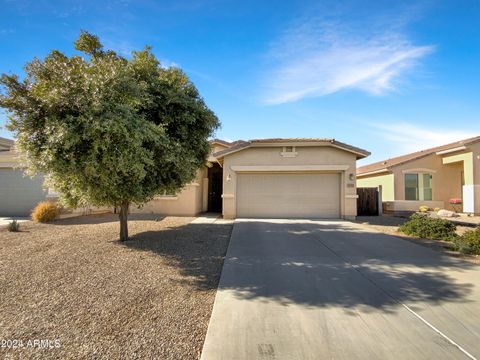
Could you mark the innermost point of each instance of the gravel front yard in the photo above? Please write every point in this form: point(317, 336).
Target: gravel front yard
point(72, 281)
point(389, 225)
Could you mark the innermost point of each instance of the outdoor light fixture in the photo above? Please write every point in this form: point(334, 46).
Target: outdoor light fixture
point(229, 177)
point(351, 177)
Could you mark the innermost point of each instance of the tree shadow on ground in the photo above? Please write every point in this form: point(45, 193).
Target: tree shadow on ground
point(103, 218)
point(382, 220)
point(311, 263)
point(198, 250)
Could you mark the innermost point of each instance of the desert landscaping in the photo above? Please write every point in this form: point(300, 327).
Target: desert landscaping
point(73, 281)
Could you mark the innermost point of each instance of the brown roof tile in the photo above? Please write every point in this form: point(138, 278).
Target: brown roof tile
point(386, 164)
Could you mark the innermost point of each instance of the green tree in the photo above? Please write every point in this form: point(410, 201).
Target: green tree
point(106, 130)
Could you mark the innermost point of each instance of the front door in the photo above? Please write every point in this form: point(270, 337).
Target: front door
point(215, 187)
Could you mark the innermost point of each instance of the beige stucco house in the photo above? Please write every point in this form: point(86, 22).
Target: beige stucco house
point(270, 178)
point(430, 177)
point(294, 178)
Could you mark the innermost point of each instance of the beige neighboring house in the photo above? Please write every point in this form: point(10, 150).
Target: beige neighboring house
point(272, 178)
point(430, 177)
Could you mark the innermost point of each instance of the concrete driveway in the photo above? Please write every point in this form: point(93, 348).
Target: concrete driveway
point(300, 289)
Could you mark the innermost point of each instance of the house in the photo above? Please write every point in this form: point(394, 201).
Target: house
point(18, 193)
point(294, 178)
point(429, 177)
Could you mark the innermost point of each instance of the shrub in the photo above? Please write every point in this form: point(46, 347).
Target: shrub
point(426, 227)
point(437, 209)
point(423, 208)
point(45, 212)
point(13, 226)
point(469, 242)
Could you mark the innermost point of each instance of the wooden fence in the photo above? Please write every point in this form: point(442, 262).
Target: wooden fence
point(367, 202)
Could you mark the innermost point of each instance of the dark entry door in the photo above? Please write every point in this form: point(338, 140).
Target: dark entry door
point(215, 187)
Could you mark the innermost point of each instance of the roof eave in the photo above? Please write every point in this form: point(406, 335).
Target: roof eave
point(360, 153)
point(386, 170)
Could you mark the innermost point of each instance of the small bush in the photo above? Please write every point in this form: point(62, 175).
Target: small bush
point(429, 228)
point(437, 209)
point(423, 209)
point(13, 226)
point(45, 212)
point(469, 242)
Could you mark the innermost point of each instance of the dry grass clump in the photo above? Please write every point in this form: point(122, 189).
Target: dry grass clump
point(13, 226)
point(45, 211)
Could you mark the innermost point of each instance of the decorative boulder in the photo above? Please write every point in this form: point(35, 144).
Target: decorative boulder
point(446, 213)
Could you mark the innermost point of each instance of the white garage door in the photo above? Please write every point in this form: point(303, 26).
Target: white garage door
point(288, 195)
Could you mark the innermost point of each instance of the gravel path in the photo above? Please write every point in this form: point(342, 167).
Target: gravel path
point(72, 281)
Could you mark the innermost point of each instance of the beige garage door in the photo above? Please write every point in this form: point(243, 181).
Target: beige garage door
point(288, 195)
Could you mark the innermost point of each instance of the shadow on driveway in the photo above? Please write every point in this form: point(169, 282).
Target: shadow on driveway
point(336, 264)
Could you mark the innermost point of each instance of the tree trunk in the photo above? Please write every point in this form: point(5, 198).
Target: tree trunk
point(123, 215)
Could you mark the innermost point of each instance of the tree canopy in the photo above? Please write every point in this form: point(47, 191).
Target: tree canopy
point(107, 130)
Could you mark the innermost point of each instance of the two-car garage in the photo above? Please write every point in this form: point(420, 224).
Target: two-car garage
point(289, 178)
point(291, 195)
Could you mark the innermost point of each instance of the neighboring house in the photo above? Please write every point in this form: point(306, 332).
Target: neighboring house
point(293, 178)
point(430, 177)
point(19, 194)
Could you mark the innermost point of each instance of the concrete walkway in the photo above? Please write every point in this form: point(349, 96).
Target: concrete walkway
point(7, 220)
point(300, 289)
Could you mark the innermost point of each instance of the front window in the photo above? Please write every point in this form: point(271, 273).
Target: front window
point(418, 187)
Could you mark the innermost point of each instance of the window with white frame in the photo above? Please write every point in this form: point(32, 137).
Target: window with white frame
point(418, 186)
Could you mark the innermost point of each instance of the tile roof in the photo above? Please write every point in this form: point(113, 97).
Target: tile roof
point(240, 145)
point(386, 164)
point(220, 141)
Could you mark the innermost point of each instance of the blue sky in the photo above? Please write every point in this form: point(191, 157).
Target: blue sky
point(390, 77)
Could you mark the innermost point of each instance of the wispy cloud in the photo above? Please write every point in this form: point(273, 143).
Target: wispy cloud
point(121, 46)
point(320, 55)
point(409, 137)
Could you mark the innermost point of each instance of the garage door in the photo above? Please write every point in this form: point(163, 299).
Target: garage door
point(288, 195)
point(19, 194)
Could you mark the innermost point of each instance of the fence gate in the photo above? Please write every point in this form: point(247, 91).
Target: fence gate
point(367, 202)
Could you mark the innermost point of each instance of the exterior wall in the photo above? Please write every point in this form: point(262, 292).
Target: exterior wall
point(408, 205)
point(308, 155)
point(188, 202)
point(8, 159)
point(475, 187)
point(386, 181)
